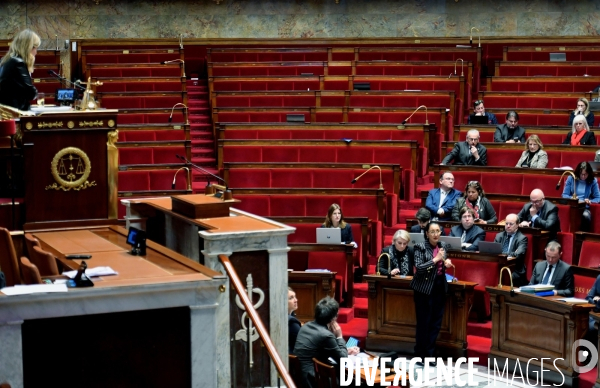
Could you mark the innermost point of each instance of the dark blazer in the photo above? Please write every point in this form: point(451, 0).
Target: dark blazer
point(502, 134)
point(547, 220)
point(473, 236)
point(433, 203)
point(562, 279)
point(346, 234)
point(486, 211)
point(589, 118)
point(588, 139)
point(317, 341)
point(517, 249)
point(16, 86)
point(461, 154)
point(594, 291)
point(294, 326)
point(425, 269)
point(396, 259)
point(417, 229)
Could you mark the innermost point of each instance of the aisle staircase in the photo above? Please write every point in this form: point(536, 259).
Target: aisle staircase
point(201, 133)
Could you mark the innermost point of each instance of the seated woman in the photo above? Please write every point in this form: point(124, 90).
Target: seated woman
point(534, 155)
point(400, 256)
point(583, 108)
point(474, 198)
point(580, 134)
point(335, 219)
point(294, 324)
point(586, 189)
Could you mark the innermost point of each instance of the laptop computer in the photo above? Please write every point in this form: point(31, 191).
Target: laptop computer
point(481, 120)
point(416, 238)
point(493, 248)
point(329, 236)
point(454, 242)
point(595, 166)
point(558, 57)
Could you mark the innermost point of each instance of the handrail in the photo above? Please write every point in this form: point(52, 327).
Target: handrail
point(262, 331)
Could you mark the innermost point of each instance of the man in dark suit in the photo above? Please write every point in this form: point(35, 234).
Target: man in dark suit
point(469, 233)
point(469, 152)
point(322, 339)
point(514, 245)
point(510, 132)
point(441, 201)
point(540, 214)
point(423, 217)
point(554, 271)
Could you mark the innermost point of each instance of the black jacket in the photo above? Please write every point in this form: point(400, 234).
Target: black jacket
point(588, 139)
point(16, 86)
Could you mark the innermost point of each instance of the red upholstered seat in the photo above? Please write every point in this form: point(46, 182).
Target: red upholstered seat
point(256, 204)
point(134, 180)
point(333, 261)
point(163, 179)
point(508, 207)
point(163, 155)
point(566, 242)
point(595, 210)
point(501, 183)
point(289, 205)
point(573, 158)
point(246, 178)
point(137, 136)
point(590, 254)
point(484, 274)
point(280, 154)
point(293, 178)
point(135, 155)
point(583, 285)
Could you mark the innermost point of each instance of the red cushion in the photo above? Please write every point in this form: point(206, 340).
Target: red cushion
point(589, 256)
point(583, 285)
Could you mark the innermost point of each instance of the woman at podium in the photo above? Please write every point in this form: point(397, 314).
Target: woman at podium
point(16, 67)
point(430, 288)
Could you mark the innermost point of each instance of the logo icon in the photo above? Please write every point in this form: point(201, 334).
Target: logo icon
point(584, 356)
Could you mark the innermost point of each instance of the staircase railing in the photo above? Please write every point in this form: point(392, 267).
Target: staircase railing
point(260, 327)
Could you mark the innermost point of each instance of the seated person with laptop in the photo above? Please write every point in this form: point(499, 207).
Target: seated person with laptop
point(469, 233)
point(423, 217)
point(335, 219)
point(480, 116)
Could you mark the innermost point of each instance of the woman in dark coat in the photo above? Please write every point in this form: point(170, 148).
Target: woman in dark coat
point(16, 86)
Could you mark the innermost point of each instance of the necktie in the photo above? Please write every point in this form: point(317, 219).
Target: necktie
point(547, 277)
point(463, 237)
point(506, 244)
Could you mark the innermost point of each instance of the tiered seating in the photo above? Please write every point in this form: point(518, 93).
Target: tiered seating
point(543, 84)
point(548, 135)
point(531, 100)
point(45, 61)
point(556, 69)
point(144, 89)
point(542, 53)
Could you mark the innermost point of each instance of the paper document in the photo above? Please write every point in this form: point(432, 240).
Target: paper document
point(91, 272)
point(34, 289)
point(573, 300)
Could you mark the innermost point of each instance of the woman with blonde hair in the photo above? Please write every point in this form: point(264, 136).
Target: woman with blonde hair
point(534, 155)
point(16, 86)
point(583, 108)
point(580, 134)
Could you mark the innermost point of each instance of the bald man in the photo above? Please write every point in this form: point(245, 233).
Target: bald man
point(541, 214)
point(469, 152)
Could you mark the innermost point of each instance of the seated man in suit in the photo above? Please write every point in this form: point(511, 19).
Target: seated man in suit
point(479, 110)
point(469, 233)
point(321, 339)
point(554, 271)
point(423, 217)
point(514, 245)
point(441, 201)
point(541, 214)
point(510, 132)
point(469, 152)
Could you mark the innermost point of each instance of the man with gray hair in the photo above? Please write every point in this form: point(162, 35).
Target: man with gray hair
point(514, 245)
point(469, 152)
point(554, 271)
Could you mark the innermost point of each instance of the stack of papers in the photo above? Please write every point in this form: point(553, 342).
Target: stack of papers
point(573, 300)
point(34, 289)
point(91, 272)
point(532, 289)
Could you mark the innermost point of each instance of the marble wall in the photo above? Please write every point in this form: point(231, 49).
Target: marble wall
point(84, 19)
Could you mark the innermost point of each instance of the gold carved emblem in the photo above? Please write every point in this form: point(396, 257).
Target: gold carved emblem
point(70, 168)
point(111, 123)
point(29, 125)
point(70, 124)
point(56, 124)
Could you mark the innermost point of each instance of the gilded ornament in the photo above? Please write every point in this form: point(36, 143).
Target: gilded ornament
point(111, 123)
point(29, 125)
point(71, 124)
point(70, 168)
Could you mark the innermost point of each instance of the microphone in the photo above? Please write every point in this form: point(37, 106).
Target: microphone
point(63, 79)
point(201, 169)
point(462, 63)
point(176, 60)
point(187, 121)
point(189, 185)
point(401, 126)
point(574, 179)
point(370, 168)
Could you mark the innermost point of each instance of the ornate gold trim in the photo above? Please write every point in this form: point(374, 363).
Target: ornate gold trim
point(70, 124)
point(58, 168)
point(29, 126)
point(56, 124)
point(97, 123)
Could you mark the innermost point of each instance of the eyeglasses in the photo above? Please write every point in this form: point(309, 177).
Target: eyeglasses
point(434, 232)
point(472, 138)
point(536, 201)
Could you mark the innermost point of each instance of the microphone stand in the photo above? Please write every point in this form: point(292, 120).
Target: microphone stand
point(189, 180)
point(512, 290)
point(402, 126)
point(380, 180)
point(471, 36)
point(187, 121)
point(177, 60)
point(462, 64)
point(574, 179)
point(209, 174)
point(63, 79)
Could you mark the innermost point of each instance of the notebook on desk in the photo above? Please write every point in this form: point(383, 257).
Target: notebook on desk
point(481, 120)
point(329, 236)
point(453, 242)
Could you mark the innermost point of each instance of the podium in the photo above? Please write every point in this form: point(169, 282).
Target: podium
point(70, 168)
point(393, 321)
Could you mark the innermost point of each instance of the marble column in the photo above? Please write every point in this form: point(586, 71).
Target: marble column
point(11, 355)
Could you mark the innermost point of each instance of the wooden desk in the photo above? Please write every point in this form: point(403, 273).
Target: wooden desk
point(596, 317)
point(310, 288)
point(392, 318)
point(526, 326)
point(155, 319)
